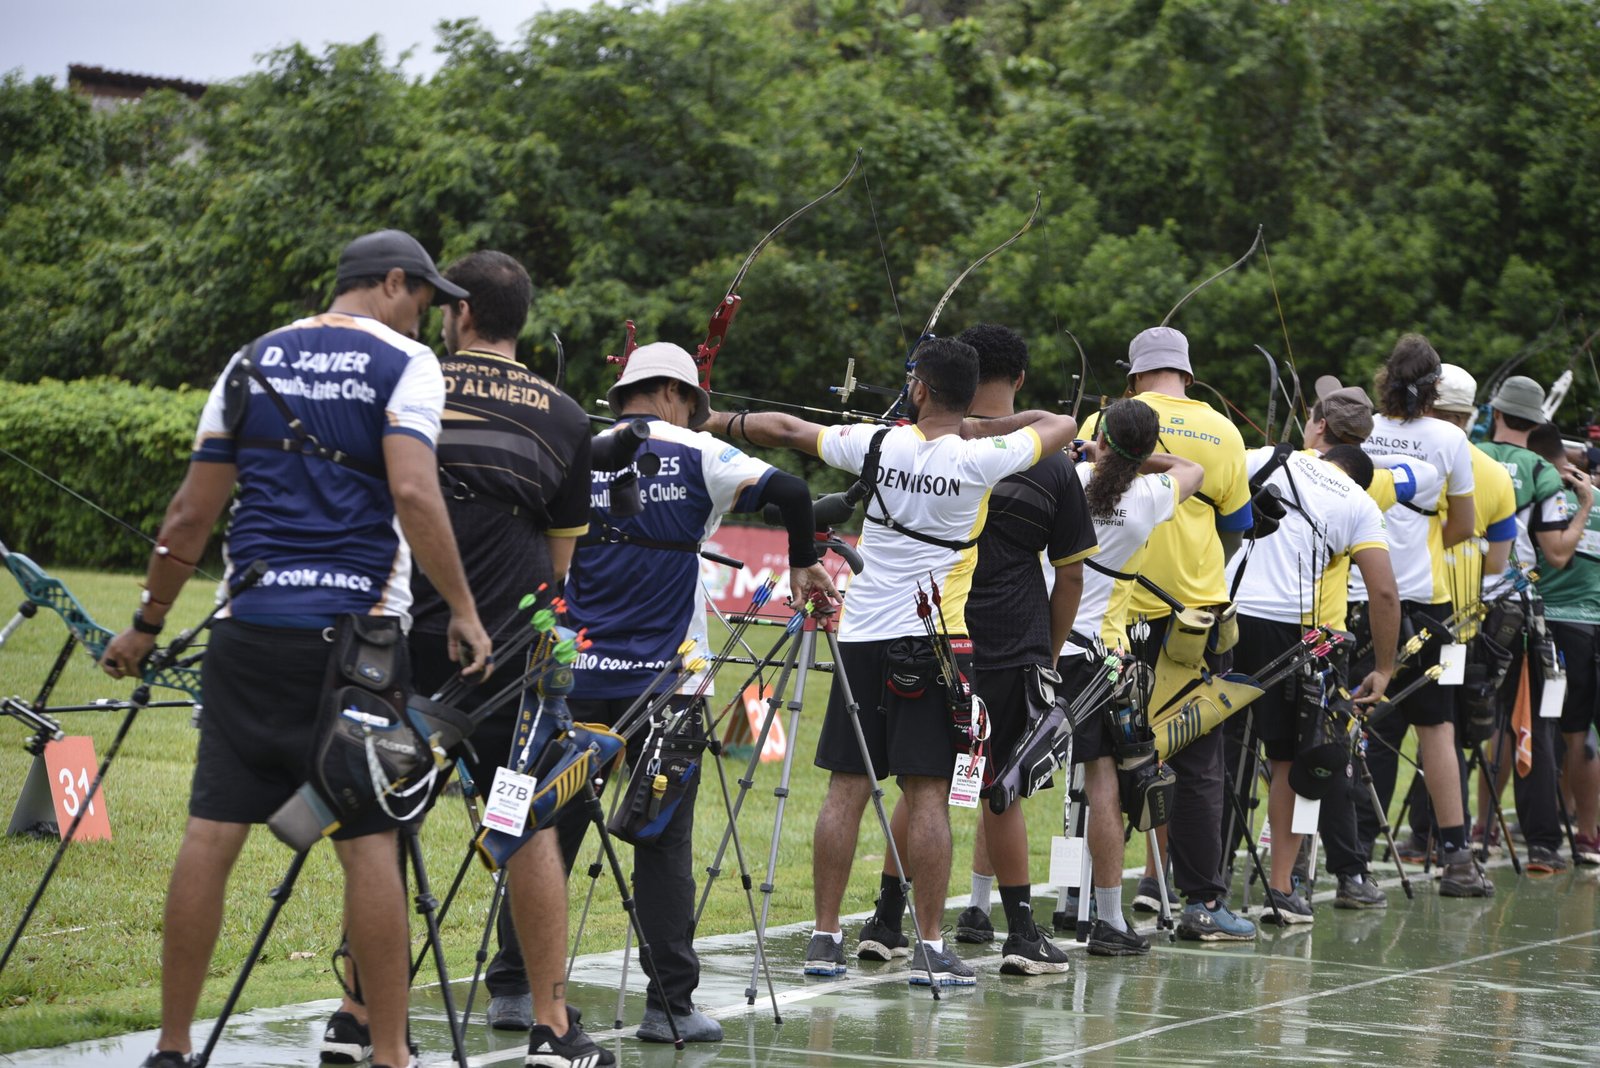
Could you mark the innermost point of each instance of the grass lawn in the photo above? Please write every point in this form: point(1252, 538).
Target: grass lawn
point(90, 963)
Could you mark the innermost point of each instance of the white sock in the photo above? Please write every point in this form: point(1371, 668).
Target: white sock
point(837, 936)
point(1108, 901)
point(934, 945)
point(981, 886)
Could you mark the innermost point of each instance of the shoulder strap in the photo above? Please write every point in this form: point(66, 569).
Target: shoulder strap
point(301, 440)
point(1133, 576)
point(869, 478)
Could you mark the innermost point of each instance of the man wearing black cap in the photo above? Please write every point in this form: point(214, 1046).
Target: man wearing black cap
point(318, 501)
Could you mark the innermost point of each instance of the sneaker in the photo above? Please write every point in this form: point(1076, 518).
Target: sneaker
point(166, 1058)
point(696, 1026)
point(1031, 954)
point(1542, 859)
point(1485, 840)
point(945, 968)
point(1219, 924)
point(1106, 941)
point(345, 1041)
point(879, 941)
point(1588, 849)
point(1291, 909)
point(1461, 878)
point(1147, 898)
point(824, 956)
point(974, 927)
point(1359, 892)
point(575, 1049)
point(1413, 848)
point(511, 1012)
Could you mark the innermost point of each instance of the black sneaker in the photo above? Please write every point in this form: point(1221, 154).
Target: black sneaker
point(1461, 878)
point(1285, 909)
point(1106, 941)
point(1544, 860)
point(546, 1049)
point(944, 968)
point(879, 941)
point(345, 1040)
point(974, 927)
point(1413, 848)
point(824, 956)
point(166, 1058)
point(1147, 898)
point(1031, 954)
point(1359, 892)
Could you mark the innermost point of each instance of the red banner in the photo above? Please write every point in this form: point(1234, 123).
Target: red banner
point(765, 552)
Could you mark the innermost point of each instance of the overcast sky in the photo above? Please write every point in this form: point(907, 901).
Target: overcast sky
point(211, 41)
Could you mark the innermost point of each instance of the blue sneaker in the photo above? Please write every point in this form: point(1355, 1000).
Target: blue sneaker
point(824, 956)
point(1218, 924)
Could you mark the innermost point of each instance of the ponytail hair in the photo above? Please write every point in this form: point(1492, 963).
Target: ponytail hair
point(1130, 429)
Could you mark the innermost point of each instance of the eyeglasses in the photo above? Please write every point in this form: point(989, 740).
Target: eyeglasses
point(930, 386)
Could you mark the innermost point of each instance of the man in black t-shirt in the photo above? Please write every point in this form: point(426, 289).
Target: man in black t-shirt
point(514, 465)
point(1016, 628)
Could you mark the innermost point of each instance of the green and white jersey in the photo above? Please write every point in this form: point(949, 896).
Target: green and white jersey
point(1572, 593)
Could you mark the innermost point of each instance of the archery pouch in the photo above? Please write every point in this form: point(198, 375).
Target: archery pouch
point(1187, 637)
point(909, 668)
point(663, 779)
point(1489, 657)
point(1045, 744)
point(1225, 632)
point(1324, 733)
point(1147, 784)
point(368, 750)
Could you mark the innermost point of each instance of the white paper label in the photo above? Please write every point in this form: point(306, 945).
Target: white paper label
point(967, 782)
point(1066, 861)
point(1453, 664)
point(509, 798)
point(1306, 812)
point(1555, 695)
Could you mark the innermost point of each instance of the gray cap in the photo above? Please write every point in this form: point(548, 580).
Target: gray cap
point(1457, 388)
point(1521, 397)
point(376, 254)
point(1160, 348)
point(661, 359)
point(1347, 409)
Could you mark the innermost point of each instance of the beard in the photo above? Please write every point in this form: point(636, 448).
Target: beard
point(911, 409)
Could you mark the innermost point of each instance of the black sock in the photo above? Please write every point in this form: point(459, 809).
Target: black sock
point(1453, 837)
point(1019, 909)
point(891, 901)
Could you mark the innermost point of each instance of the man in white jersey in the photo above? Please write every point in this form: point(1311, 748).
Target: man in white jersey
point(1277, 586)
point(925, 511)
point(1131, 489)
point(1407, 386)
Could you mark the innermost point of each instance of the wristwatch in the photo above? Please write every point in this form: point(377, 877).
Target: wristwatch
point(143, 627)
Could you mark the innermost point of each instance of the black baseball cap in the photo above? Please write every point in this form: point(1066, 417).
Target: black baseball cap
point(376, 254)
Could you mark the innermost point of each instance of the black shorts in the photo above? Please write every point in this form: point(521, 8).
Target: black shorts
point(1090, 741)
point(1275, 713)
point(905, 736)
point(1431, 704)
point(1580, 647)
point(260, 688)
point(1005, 694)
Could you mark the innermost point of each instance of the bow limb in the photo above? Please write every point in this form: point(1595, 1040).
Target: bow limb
point(1260, 230)
point(49, 592)
point(722, 317)
point(1083, 373)
point(1273, 384)
point(938, 309)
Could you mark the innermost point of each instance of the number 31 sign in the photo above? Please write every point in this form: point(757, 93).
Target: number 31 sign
point(72, 765)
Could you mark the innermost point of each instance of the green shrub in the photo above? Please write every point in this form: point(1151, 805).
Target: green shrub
point(124, 447)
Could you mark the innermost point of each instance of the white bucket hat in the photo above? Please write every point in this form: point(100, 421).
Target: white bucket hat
point(662, 359)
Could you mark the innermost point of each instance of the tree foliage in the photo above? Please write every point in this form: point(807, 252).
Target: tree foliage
point(1416, 164)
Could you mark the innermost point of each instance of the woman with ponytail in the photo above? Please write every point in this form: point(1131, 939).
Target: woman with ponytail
point(1132, 486)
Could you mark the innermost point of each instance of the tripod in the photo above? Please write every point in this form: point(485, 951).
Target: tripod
point(427, 905)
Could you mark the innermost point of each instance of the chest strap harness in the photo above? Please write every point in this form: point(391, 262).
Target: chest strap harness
point(869, 479)
point(300, 440)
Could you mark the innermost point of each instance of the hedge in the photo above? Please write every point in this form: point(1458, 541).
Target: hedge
point(124, 447)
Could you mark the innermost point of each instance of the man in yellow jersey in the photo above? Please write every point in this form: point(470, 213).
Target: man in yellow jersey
point(928, 499)
point(1419, 533)
point(1186, 558)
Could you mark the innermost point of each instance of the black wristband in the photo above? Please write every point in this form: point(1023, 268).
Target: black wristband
point(143, 627)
